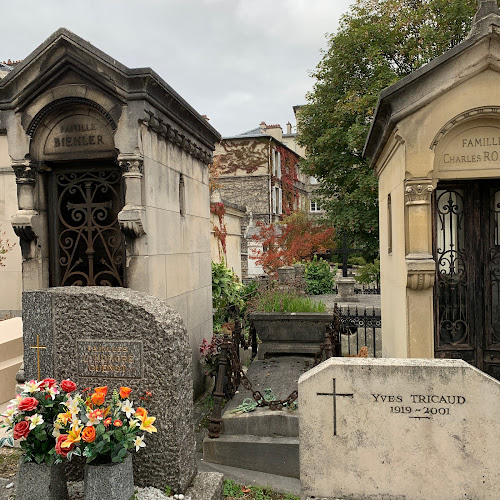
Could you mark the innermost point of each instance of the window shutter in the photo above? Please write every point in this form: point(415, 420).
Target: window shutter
point(273, 162)
point(278, 168)
point(280, 201)
point(274, 199)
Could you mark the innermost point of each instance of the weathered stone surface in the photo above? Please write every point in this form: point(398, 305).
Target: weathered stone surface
point(113, 481)
point(158, 359)
point(206, 486)
point(41, 481)
point(399, 428)
point(293, 333)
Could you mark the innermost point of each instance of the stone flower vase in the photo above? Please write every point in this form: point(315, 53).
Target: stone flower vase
point(113, 481)
point(41, 481)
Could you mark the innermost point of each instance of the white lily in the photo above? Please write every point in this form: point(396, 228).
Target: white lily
point(139, 442)
point(127, 408)
point(31, 386)
point(35, 420)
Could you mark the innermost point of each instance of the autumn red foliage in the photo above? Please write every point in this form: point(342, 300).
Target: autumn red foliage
point(297, 237)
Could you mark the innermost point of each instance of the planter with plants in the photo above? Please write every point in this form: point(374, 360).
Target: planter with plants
point(287, 321)
point(30, 419)
point(104, 428)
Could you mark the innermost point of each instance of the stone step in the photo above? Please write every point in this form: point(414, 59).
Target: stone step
point(273, 455)
point(261, 422)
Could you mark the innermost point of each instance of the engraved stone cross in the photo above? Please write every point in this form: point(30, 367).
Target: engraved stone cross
point(38, 347)
point(335, 394)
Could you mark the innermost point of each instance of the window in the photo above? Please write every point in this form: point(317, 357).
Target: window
point(277, 200)
point(274, 199)
point(389, 224)
point(182, 194)
point(314, 206)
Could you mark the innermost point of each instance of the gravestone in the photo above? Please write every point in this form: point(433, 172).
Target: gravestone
point(119, 337)
point(399, 428)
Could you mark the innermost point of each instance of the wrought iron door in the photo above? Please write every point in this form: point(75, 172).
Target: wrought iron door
point(467, 289)
point(87, 246)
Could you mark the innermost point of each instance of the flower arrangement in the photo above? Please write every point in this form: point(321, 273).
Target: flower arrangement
point(30, 418)
point(101, 428)
point(210, 354)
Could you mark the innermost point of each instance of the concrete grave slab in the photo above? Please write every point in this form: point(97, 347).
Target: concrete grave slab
point(399, 429)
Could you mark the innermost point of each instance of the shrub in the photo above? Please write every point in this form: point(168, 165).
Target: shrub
point(275, 299)
point(319, 279)
point(369, 273)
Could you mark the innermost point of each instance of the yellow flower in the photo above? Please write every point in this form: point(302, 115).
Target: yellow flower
point(73, 436)
point(64, 417)
point(147, 424)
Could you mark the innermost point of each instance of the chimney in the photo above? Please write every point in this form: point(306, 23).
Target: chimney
point(289, 128)
point(275, 131)
point(263, 127)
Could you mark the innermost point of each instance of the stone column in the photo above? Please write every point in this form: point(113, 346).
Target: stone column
point(131, 217)
point(421, 268)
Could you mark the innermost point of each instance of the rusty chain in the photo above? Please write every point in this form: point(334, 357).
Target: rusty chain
point(237, 369)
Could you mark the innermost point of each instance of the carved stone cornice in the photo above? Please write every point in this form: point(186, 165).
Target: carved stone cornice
point(26, 171)
point(131, 164)
point(418, 192)
point(421, 272)
point(174, 136)
point(131, 222)
point(22, 223)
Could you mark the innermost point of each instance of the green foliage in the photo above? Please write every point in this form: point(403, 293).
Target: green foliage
point(357, 261)
point(228, 291)
point(234, 490)
point(168, 491)
point(319, 279)
point(378, 42)
point(369, 273)
point(275, 299)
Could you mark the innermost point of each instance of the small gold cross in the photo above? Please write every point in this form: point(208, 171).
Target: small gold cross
point(38, 347)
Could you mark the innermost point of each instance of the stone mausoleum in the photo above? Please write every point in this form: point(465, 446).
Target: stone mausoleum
point(111, 170)
point(435, 146)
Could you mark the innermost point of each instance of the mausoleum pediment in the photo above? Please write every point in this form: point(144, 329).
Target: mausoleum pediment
point(479, 53)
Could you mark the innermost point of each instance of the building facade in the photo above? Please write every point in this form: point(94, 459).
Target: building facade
point(435, 146)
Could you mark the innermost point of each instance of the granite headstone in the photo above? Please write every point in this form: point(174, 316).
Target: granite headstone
point(399, 428)
point(119, 337)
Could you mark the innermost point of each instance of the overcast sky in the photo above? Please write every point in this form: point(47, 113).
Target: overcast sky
point(237, 61)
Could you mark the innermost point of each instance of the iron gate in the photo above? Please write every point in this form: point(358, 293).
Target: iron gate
point(87, 246)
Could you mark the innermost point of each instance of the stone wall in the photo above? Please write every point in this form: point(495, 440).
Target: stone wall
point(10, 273)
point(172, 260)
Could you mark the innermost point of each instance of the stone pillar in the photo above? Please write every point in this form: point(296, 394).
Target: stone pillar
point(131, 217)
point(346, 289)
point(421, 268)
point(28, 226)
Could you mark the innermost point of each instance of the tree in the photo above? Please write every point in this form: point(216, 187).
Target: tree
point(297, 237)
point(378, 43)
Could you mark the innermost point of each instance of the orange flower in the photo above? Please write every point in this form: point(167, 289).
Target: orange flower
point(107, 421)
point(117, 423)
point(101, 390)
point(88, 434)
point(125, 392)
point(140, 412)
point(73, 436)
point(98, 398)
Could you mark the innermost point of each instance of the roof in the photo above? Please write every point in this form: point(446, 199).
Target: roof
point(134, 83)
point(417, 89)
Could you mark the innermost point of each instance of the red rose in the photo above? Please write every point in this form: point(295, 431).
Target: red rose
point(49, 382)
point(68, 385)
point(63, 451)
point(28, 404)
point(21, 429)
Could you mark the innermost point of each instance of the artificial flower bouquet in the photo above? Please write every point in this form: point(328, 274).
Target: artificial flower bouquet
point(30, 418)
point(101, 427)
point(210, 355)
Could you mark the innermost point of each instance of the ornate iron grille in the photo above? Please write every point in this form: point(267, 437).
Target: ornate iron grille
point(494, 267)
point(89, 245)
point(452, 277)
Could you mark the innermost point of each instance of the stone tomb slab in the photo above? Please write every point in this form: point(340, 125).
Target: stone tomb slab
point(119, 337)
point(399, 429)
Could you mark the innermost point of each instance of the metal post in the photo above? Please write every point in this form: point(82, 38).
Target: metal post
point(215, 426)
